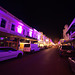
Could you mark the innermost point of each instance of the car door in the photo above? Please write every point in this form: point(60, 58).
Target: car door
point(4, 55)
point(12, 53)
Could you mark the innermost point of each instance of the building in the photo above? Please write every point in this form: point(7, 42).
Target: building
point(71, 29)
point(14, 31)
point(71, 32)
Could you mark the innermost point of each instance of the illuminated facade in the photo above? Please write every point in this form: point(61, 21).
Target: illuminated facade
point(12, 25)
point(71, 31)
point(14, 28)
point(44, 41)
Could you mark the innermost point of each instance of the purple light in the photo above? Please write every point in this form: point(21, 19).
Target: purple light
point(2, 38)
point(19, 29)
point(35, 30)
point(38, 37)
point(20, 23)
point(30, 32)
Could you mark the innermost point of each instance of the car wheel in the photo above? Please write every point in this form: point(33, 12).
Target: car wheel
point(19, 55)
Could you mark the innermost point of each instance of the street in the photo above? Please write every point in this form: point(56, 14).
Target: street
point(44, 62)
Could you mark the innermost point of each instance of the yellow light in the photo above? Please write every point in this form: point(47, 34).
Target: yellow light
point(47, 40)
point(41, 45)
point(23, 43)
point(27, 39)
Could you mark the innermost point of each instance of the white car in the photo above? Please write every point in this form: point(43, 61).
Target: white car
point(31, 48)
point(8, 53)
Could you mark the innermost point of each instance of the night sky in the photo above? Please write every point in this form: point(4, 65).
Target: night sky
point(47, 17)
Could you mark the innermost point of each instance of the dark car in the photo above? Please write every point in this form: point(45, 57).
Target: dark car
point(72, 63)
point(45, 47)
point(67, 51)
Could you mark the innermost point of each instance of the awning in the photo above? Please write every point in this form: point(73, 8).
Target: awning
point(4, 34)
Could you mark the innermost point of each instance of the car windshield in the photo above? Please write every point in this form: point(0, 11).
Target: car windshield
point(67, 47)
point(3, 49)
point(27, 45)
point(6, 49)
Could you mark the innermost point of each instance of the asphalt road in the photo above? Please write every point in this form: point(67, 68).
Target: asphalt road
point(45, 62)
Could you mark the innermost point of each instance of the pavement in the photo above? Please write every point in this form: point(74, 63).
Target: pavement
point(44, 62)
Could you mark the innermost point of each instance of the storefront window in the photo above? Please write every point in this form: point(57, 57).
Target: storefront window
point(6, 44)
point(2, 44)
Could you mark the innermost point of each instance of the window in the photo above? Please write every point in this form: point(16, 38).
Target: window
point(28, 33)
point(2, 44)
point(23, 31)
point(27, 45)
point(12, 49)
point(7, 49)
point(3, 23)
point(4, 50)
point(13, 27)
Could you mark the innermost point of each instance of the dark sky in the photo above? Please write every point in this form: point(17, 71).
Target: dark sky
point(47, 17)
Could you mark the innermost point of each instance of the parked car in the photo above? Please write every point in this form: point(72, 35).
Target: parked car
point(45, 47)
point(31, 48)
point(67, 51)
point(59, 47)
point(72, 63)
point(8, 53)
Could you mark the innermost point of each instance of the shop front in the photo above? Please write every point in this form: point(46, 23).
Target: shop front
point(9, 42)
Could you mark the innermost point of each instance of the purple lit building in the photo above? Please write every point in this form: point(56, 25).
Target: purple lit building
point(14, 30)
point(12, 25)
point(71, 31)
